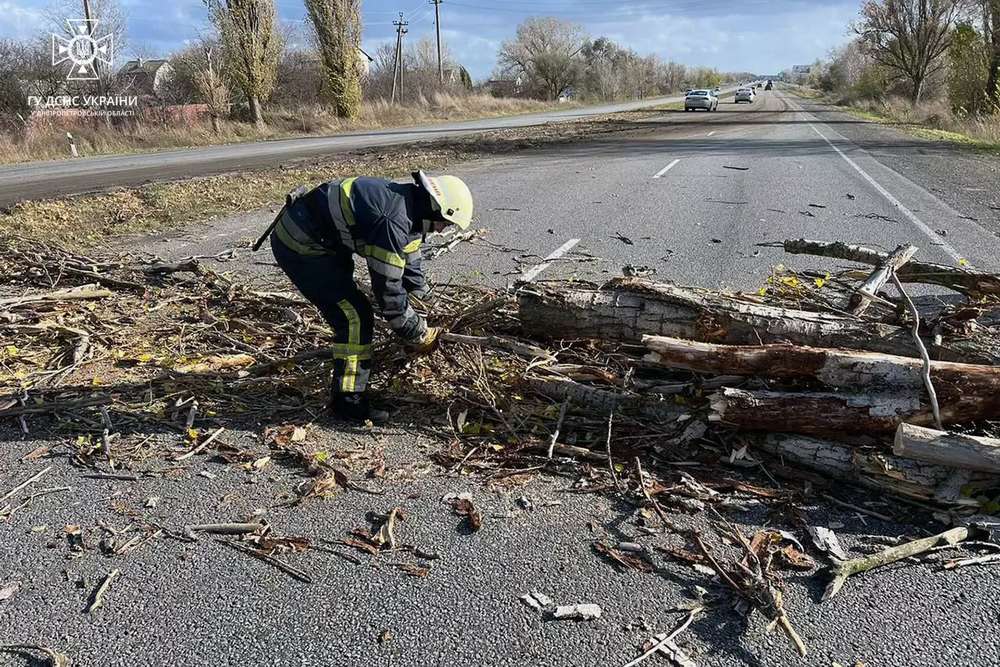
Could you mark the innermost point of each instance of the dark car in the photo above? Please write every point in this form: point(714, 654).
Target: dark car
point(768, 86)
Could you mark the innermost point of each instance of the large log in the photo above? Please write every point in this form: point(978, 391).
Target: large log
point(962, 389)
point(956, 278)
point(952, 449)
point(627, 308)
point(864, 466)
point(817, 413)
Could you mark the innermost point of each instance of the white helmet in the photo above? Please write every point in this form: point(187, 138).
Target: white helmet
point(450, 196)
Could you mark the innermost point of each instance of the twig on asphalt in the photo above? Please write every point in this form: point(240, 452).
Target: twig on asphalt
point(649, 498)
point(200, 448)
point(667, 643)
point(611, 461)
point(856, 508)
point(988, 559)
point(559, 423)
point(270, 560)
point(97, 599)
point(34, 478)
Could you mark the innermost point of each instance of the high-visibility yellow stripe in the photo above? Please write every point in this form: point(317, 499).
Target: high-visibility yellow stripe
point(346, 350)
point(345, 200)
point(349, 383)
point(386, 256)
point(412, 246)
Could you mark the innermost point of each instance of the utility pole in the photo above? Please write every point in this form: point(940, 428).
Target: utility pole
point(437, 26)
point(397, 66)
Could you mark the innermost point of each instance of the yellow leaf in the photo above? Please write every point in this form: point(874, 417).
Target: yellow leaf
point(96, 381)
point(963, 262)
point(321, 456)
point(145, 357)
point(11, 350)
point(192, 434)
point(819, 282)
point(762, 291)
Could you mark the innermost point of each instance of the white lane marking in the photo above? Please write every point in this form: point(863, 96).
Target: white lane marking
point(711, 133)
point(556, 254)
point(667, 168)
point(910, 215)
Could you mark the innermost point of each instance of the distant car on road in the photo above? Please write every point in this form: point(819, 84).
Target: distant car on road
point(745, 95)
point(701, 99)
point(768, 86)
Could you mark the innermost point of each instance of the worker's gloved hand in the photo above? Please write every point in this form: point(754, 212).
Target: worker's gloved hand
point(427, 343)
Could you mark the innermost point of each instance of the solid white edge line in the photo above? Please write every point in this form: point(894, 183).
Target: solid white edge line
point(556, 254)
point(667, 168)
point(710, 133)
point(910, 215)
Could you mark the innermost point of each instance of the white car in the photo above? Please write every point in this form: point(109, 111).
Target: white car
point(701, 99)
point(745, 95)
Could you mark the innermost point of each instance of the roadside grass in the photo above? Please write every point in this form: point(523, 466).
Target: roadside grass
point(933, 121)
point(48, 142)
point(91, 220)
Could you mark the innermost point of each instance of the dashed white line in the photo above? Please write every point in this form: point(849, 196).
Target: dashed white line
point(711, 133)
point(556, 254)
point(910, 215)
point(667, 168)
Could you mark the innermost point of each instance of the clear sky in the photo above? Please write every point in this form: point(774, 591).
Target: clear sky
point(762, 36)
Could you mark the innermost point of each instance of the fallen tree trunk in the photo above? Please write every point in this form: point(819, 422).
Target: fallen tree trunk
point(958, 279)
point(962, 389)
point(816, 413)
point(952, 449)
point(627, 308)
point(866, 467)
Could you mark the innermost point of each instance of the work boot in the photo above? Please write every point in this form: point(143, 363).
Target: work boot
point(357, 408)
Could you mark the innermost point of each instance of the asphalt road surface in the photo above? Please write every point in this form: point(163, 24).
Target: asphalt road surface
point(63, 177)
point(691, 200)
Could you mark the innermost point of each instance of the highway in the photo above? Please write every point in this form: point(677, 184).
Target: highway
point(691, 200)
point(73, 176)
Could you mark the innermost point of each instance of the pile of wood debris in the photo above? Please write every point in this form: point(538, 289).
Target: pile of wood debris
point(816, 371)
point(817, 376)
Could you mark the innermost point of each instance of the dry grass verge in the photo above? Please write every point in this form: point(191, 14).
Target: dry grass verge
point(94, 138)
point(89, 220)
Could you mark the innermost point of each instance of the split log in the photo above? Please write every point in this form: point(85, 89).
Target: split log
point(952, 449)
point(964, 391)
point(627, 308)
point(958, 279)
point(868, 292)
point(866, 467)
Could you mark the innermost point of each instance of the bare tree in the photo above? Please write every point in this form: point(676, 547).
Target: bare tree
point(991, 21)
point(543, 51)
point(908, 37)
point(251, 45)
point(337, 24)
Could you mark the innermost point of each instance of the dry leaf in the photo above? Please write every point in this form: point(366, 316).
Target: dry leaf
point(36, 453)
point(413, 570)
point(630, 561)
point(465, 508)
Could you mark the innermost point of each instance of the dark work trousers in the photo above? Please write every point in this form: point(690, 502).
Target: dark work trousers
point(327, 281)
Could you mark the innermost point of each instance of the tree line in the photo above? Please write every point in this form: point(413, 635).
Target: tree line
point(922, 50)
point(249, 60)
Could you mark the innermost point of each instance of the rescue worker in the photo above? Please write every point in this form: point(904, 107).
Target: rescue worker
point(314, 242)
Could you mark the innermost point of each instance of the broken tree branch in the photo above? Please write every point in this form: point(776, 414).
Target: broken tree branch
point(958, 279)
point(841, 570)
point(97, 600)
point(868, 292)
